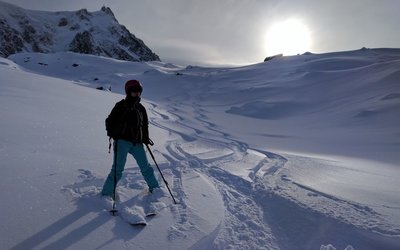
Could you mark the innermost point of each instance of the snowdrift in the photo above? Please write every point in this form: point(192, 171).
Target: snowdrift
point(294, 153)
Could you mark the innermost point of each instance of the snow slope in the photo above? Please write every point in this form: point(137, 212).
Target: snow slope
point(296, 153)
point(54, 162)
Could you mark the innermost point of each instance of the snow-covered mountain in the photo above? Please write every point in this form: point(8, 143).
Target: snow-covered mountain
point(97, 33)
point(295, 153)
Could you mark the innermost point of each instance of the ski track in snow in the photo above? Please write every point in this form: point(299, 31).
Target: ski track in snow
point(243, 224)
point(246, 221)
point(262, 206)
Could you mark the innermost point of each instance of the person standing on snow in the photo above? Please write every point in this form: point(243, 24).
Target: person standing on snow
point(128, 124)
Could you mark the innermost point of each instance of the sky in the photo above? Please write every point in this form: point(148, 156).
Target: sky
point(239, 32)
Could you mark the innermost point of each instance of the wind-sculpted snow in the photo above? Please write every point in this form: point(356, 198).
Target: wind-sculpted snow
point(268, 110)
point(308, 160)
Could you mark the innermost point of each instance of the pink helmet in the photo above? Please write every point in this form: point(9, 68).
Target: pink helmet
point(133, 86)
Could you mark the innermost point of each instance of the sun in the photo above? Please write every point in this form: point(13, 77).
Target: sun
point(288, 37)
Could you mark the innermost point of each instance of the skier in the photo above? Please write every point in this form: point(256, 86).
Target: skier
point(128, 124)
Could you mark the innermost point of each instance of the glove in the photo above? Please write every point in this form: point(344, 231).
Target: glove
point(148, 141)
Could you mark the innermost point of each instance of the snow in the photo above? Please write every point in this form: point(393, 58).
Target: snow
point(296, 153)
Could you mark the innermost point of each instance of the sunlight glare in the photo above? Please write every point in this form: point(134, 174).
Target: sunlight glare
point(289, 37)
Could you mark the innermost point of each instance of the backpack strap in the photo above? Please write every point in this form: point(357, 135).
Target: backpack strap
point(109, 144)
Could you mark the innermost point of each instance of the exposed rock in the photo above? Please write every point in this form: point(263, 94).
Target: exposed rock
point(97, 33)
point(10, 40)
point(28, 33)
point(269, 58)
point(82, 43)
point(63, 22)
point(75, 27)
point(109, 12)
point(83, 14)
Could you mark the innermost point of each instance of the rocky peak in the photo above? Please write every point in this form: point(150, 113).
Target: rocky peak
point(107, 10)
point(97, 33)
point(83, 14)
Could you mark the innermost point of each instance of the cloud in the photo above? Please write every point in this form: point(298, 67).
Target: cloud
point(189, 52)
point(232, 31)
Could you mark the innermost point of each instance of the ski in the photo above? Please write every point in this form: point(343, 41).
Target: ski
point(143, 223)
point(134, 215)
point(151, 214)
point(139, 223)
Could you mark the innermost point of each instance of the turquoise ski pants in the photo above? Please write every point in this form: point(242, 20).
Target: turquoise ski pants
point(121, 150)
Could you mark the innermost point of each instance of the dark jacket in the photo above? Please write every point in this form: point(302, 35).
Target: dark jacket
point(128, 121)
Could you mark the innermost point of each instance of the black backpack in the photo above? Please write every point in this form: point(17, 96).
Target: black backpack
point(116, 123)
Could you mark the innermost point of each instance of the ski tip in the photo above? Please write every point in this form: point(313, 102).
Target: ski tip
point(140, 224)
point(151, 214)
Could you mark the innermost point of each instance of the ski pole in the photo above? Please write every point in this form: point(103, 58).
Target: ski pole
point(166, 183)
point(113, 211)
